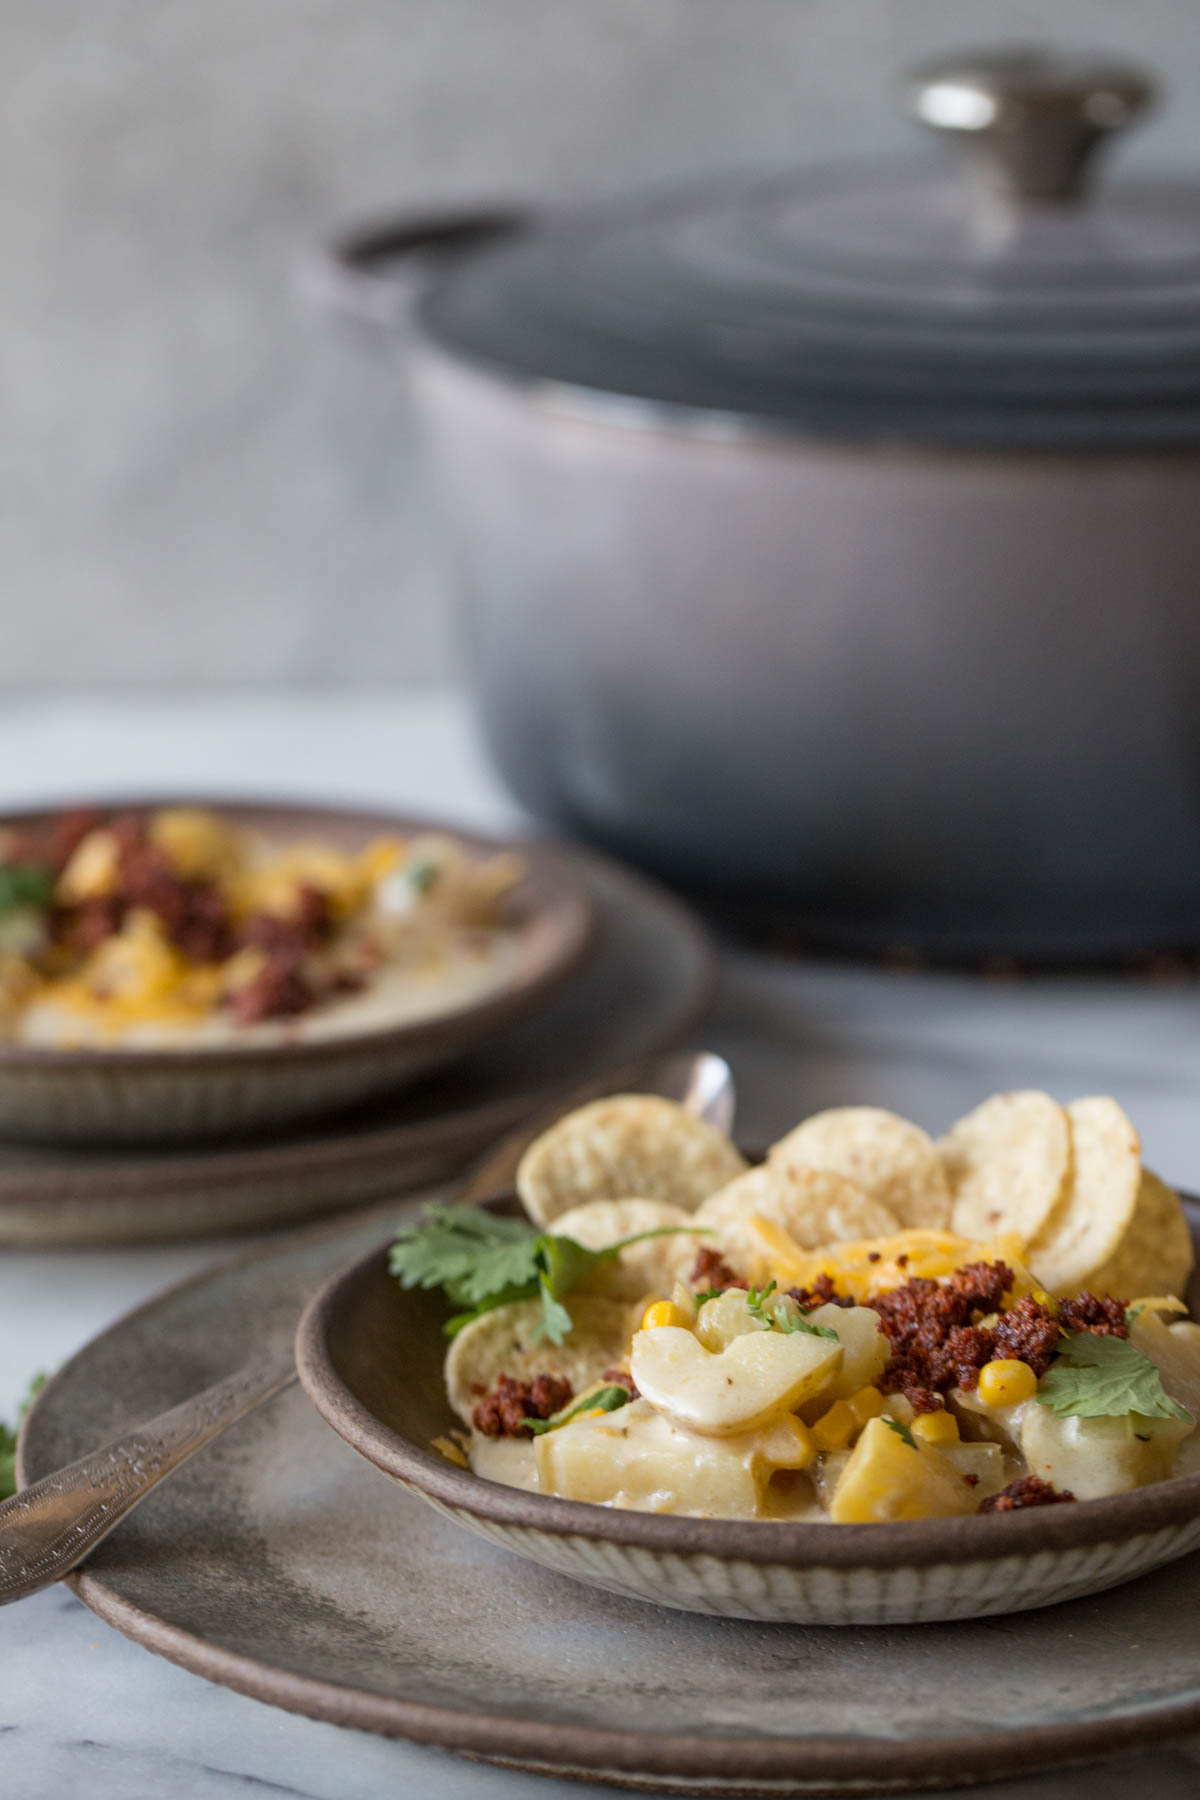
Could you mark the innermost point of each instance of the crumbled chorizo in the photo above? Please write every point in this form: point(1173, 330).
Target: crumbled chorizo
point(1028, 1332)
point(1030, 1490)
point(710, 1270)
point(278, 991)
point(507, 1410)
point(1103, 1318)
point(819, 1294)
point(306, 928)
point(935, 1347)
point(622, 1378)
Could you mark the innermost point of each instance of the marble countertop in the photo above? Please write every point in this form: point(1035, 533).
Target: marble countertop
point(82, 1711)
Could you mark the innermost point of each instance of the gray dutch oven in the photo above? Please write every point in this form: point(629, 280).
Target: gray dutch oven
point(830, 543)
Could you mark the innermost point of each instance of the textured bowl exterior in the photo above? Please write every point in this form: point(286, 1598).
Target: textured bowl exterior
point(157, 1101)
point(370, 1359)
point(818, 1594)
point(126, 1095)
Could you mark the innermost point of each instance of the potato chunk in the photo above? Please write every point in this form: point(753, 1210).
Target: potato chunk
point(886, 1478)
point(1094, 1457)
point(865, 1346)
point(751, 1381)
point(635, 1458)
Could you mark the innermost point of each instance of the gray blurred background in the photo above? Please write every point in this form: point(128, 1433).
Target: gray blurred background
point(202, 481)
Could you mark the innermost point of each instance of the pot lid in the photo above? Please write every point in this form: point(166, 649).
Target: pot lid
point(987, 303)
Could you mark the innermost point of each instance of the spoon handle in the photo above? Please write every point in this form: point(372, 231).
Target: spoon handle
point(50, 1526)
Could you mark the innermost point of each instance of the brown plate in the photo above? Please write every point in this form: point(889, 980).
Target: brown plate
point(281, 1564)
point(644, 987)
point(127, 1094)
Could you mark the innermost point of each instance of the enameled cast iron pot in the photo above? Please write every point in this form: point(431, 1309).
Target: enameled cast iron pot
point(832, 542)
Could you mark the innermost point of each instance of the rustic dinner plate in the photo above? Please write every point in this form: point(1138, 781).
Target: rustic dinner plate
point(370, 1357)
point(130, 1094)
point(280, 1563)
point(643, 988)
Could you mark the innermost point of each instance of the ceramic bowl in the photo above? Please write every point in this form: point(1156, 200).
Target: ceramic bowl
point(370, 1359)
point(152, 1095)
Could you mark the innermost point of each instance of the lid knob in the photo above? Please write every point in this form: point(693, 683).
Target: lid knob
point(1033, 120)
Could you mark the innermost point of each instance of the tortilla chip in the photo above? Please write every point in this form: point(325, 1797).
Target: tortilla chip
point(498, 1343)
point(815, 1207)
point(652, 1267)
point(1155, 1255)
point(890, 1158)
point(627, 1144)
point(1008, 1164)
point(1085, 1230)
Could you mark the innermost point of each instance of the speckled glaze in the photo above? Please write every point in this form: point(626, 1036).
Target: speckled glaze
point(127, 1095)
point(281, 1564)
point(370, 1360)
point(646, 984)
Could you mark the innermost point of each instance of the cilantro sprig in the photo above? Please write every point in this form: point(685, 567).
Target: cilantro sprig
point(902, 1432)
point(25, 885)
point(1095, 1377)
point(8, 1442)
point(781, 1316)
point(482, 1260)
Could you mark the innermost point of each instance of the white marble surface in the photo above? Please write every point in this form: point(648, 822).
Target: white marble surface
point(84, 1712)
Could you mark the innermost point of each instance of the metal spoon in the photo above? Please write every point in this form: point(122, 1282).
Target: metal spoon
point(51, 1526)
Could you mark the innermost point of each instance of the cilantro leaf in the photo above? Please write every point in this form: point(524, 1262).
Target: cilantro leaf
point(482, 1260)
point(707, 1295)
point(756, 1300)
point(791, 1322)
point(782, 1315)
point(555, 1321)
point(1095, 1377)
point(472, 1252)
point(8, 1442)
point(606, 1399)
point(25, 885)
point(901, 1430)
point(421, 876)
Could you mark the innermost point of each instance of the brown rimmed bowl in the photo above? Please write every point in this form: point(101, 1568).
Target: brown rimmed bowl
point(370, 1359)
point(126, 1094)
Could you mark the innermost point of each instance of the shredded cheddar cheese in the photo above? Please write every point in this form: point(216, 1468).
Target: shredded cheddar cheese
point(873, 1265)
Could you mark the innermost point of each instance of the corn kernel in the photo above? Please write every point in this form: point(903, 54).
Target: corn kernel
point(939, 1427)
point(1044, 1299)
point(834, 1429)
point(788, 1444)
point(1006, 1382)
point(866, 1404)
point(662, 1312)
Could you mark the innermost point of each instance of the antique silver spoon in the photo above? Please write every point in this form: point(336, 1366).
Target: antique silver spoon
point(51, 1526)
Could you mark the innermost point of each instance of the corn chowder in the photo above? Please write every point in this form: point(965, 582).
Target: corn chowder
point(807, 1342)
point(177, 927)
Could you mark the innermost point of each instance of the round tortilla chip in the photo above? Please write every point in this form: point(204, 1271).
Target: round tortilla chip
point(626, 1144)
point(1156, 1255)
point(890, 1158)
point(816, 1207)
point(1009, 1165)
point(498, 1343)
point(650, 1268)
point(1106, 1176)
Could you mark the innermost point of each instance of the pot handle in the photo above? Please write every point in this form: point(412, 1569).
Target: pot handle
point(1031, 121)
point(374, 272)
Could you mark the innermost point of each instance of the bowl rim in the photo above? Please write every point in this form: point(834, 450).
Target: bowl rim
point(915, 1543)
point(556, 894)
